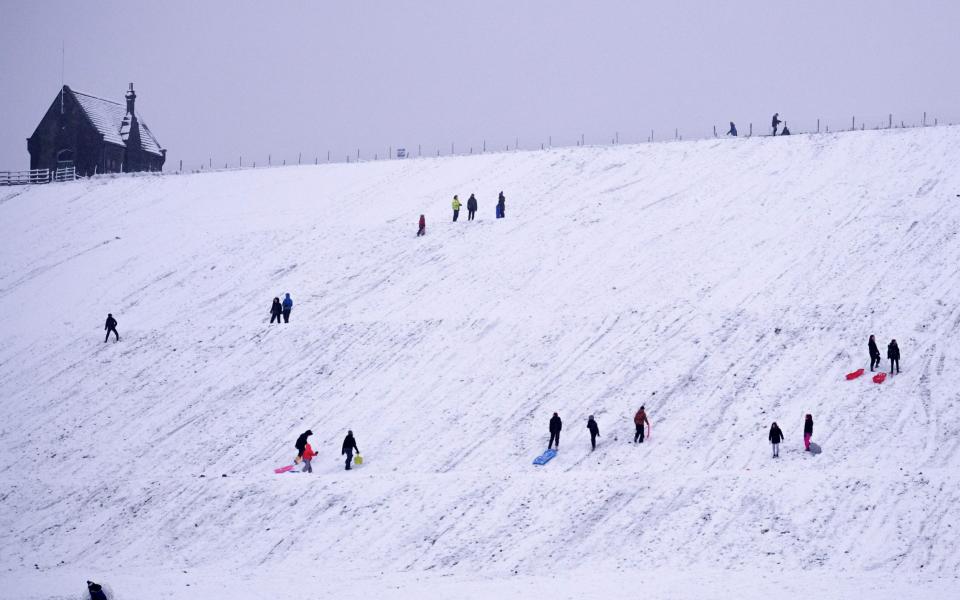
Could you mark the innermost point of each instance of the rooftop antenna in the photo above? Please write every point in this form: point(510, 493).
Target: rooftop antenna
point(63, 52)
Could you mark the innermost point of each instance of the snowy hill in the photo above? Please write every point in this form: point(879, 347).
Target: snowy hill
point(724, 284)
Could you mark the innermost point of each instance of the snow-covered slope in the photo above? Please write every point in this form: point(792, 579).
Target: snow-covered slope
point(724, 284)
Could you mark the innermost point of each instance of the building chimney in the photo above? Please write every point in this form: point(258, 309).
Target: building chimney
point(131, 98)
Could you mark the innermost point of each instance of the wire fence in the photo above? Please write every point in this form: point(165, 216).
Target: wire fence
point(807, 126)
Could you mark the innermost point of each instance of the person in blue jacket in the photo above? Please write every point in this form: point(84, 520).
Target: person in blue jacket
point(287, 307)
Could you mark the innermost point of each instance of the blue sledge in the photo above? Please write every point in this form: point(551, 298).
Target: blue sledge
point(545, 457)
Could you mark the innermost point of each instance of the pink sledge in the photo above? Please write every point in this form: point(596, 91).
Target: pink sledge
point(283, 469)
point(879, 377)
point(855, 374)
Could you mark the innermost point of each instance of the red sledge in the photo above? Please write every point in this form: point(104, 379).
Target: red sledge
point(879, 377)
point(855, 374)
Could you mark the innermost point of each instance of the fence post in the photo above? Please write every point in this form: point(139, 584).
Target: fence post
point(181, 166)
point(269, 159)
point(890, 122)
point(451, 148)
point(853, 123)
point(358, 154)
point(924, 118)
point(618, 137)
point(581, 139)
point(550, 143)
point(299, 156)
point(328, 156)
point(714, 131)
point(676, 133)
point(651, 135)
point(516, 143)
point(209, 159)
point(751, 131)
point(419, 151)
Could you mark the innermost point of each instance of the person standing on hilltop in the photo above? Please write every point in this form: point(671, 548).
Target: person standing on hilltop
point(733, 130)
point(471, 207)
point(775, 121)
point(348, 447)
point(775, 437)
point(555, 426)
point(874, 353)
point(423, 226)
point(639, 419)
point(287, 307)
point(594, 432)
point(456, 208)
point(276, 309)
point(111, 326)
point(893, 353)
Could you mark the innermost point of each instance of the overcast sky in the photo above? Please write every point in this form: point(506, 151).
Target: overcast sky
point(231, 78)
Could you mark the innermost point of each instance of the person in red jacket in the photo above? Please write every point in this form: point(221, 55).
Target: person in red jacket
point(423, 227)
point(639, 419)
point(308, 455)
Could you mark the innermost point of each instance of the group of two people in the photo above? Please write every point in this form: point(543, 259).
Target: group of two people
point(775, 122)
point(281, 308)
point(776, 435)
point(893, 354)
point(556, 425)
point(305, 452)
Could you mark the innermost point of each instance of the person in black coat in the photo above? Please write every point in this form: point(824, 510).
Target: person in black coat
point(893, 353)
point(555, 426)
point(775, 121)
point(301, 443)
point(874, 353)
point(471, 207)
point(594, 432)
point(96, 591)
point(501, 205)
point(775, 437)
point(733, 130)
point(276, 310)
point(348, 448)
point(111, 325)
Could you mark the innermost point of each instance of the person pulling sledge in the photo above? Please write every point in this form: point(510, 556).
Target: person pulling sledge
point(555, 426)
point(501, 205)
point(308, 455)
point(775, 122)
point(111, 326)
point(423, 226)
point(276, 309)
point(639, 419)
point(893, 353)
point(301, 445)
point(594, 432)
point(807, 432)
point(471, 207)
point(874, 353)
point(733, 130)
point(775, 437)
point(456, 208)
point(348, 448)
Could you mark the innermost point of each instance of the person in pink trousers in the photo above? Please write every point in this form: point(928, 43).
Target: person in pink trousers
point(807, 432)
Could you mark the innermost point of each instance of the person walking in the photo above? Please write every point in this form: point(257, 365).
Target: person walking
point(348, 448)
point(423, 227)
point(874, 353)
point(276, 309)
point(456, 208)
point(308, 455)
point(301, 445)
point(733, 130)
point(287, 307)
point(111, 326)
point(555, 426)
point(471, 207)
point(501, 205)
point(775, 121)
point(775, 437)
point(594, 432)
point(807, 432)
point(893, 353)
point(639, 419)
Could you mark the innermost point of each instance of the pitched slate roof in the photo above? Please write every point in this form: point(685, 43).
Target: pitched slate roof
point(110, 120)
